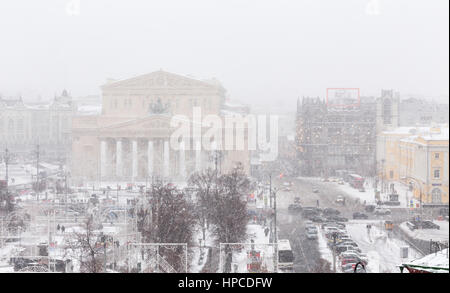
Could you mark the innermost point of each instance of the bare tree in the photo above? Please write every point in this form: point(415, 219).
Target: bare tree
point(230, 210)
point(168, 218)
point(87, 249)
point(205, 184)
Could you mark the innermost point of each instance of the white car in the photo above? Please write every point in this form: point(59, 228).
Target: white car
point(382, 211)
point(340, 199)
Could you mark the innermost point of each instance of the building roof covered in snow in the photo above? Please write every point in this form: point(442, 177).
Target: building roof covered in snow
point(431, 263)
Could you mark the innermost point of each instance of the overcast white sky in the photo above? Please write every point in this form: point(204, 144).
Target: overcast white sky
point(261, 50)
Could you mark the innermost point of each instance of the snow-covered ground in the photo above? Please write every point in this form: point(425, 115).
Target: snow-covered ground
point(383, 252)
point(427, 234)
point(261, 243)
point(405, 196)
point(325, 251)
point(200, 249)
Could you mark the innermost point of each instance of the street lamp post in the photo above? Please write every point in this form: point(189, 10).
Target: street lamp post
point(275, 224)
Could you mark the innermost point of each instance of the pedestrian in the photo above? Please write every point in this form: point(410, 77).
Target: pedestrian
point(63, 229)
point(317, 203)
point(58, 227)
point(266, 231)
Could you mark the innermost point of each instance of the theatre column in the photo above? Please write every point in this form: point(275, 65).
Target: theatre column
point(166, 162)
point(150, 158)
point(119, 166)
point(198, 156)
point(134, 158)
point(103, 163)
point(182, 160)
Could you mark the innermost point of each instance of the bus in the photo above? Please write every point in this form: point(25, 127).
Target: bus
point(356, 181)
point(285, 255)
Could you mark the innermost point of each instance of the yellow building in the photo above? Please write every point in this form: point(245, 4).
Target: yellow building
point(418, 157)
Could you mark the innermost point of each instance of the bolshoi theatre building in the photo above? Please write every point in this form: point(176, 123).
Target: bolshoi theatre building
point(129, 141)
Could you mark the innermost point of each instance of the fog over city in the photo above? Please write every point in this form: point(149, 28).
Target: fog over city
point(264, 52)
point(224, 136)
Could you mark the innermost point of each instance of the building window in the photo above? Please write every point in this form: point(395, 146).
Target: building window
point(436, 196)
point(436, 155)
point(437, 174)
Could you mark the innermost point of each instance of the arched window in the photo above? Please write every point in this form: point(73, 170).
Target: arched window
point(436, 196)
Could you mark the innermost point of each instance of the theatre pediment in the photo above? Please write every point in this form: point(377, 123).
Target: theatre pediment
point(158, 79)
point(155, 122)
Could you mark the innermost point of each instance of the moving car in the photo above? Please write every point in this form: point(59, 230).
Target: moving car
point(330, 211)
point(340, 199)
point(310, 212)
point(359, 215)
point(382, 211)
point(340, 182)
point(315, 190)
point(317, 219)
point(337, 219)
point(294, 208)
point(369, 208)
point(311, 233)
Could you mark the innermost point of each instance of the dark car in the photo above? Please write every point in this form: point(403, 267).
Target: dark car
point(359, 215)
point(296, 199)
point(295, 208)
point(369, 208)
point(337, 219)
point(317, 219)
point(330, 212)
point(310, 211)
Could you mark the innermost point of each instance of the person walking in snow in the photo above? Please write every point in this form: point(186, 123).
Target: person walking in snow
point(58, 227)
point(63, 229)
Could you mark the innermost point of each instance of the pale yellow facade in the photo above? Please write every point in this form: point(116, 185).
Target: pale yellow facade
point(417, 157)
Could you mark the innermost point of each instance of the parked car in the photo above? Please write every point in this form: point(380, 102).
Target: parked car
point(359, 215)
point(342, 248)
point(297, 199)
point(348, 267)
point(362, 189)
point(340, 182)
point(315, 190)
point(382, 211)
point(325, 180)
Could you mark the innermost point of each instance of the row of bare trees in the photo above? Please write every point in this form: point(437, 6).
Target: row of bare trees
point(169, 215)
point(221, 202)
